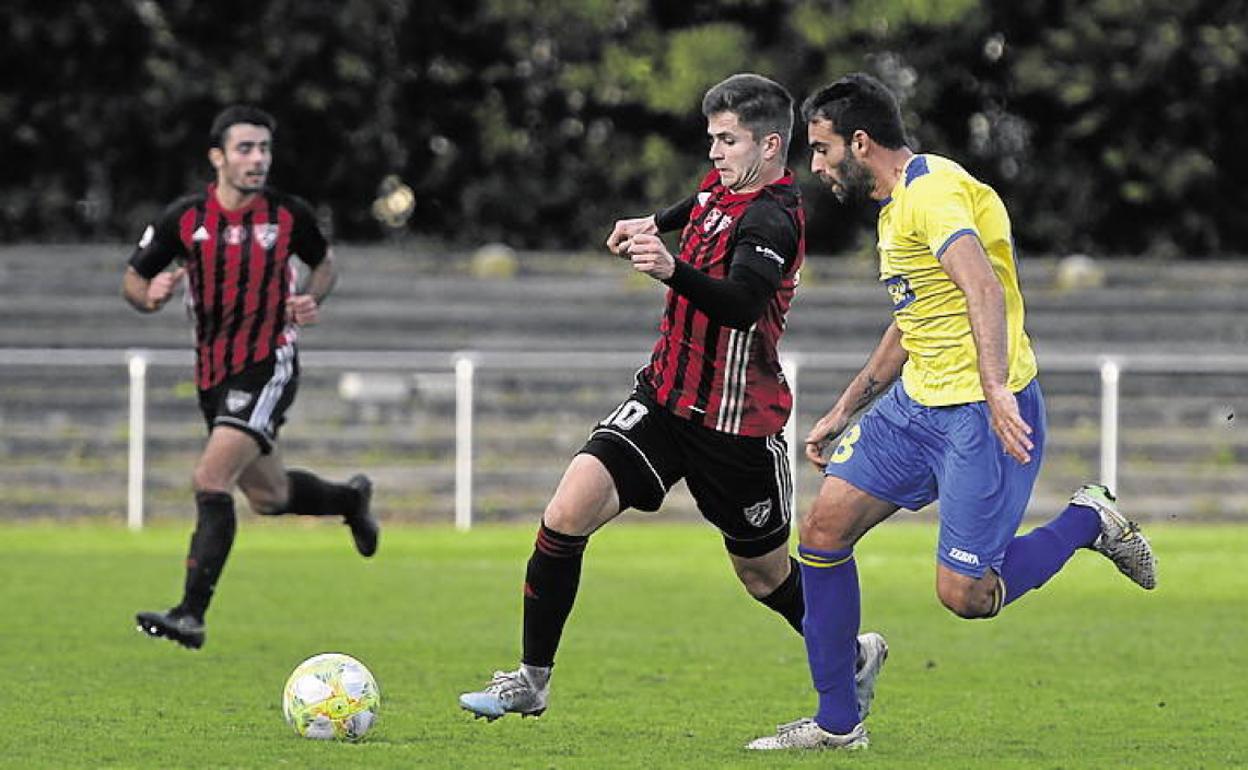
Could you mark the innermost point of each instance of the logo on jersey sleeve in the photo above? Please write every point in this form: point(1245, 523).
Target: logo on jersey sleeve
point(763, 251)
point(145, 239)
point(899, 292)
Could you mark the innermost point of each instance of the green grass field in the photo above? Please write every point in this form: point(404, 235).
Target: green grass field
point(666, 662)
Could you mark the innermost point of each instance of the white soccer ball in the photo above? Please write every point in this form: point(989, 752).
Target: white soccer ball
point(331, 695)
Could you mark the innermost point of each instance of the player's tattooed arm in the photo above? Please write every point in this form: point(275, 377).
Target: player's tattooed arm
point(870, 389)
point(881, 369)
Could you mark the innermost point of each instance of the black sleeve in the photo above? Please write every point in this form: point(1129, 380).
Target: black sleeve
point(306, 239)
point(766, 245)
point(160, 244)
point(737, 301)
point(767, 241)
point(676, 216)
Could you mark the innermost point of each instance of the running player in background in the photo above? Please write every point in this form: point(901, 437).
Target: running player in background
point(234, 243)
point(711, 404)
point(964, 425)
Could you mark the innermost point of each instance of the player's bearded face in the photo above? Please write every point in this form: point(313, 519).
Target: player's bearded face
point(854, 180)
point(832, 161)
point(244, 161)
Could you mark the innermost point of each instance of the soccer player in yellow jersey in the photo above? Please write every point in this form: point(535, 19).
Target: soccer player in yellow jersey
point(959, 416)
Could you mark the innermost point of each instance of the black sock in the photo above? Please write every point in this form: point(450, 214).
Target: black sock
point(210, 545)
point(787, 598)
point(311, 495)
point(550, 584)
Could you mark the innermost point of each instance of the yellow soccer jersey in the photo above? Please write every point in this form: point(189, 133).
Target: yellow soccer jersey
point(935, 203)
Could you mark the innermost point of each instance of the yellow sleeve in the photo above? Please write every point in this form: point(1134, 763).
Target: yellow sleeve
point(941, 211)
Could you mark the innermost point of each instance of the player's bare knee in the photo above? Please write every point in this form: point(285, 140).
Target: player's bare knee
point(205, 480)
point(825, 533)
point(968, 602)
point(563, 518)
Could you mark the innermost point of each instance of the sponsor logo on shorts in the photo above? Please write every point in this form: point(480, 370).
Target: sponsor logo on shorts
point(237, 400)
point(966, 557)
point(758, 513)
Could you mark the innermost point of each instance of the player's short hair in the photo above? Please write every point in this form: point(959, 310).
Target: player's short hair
point(235, 114)
point(762, 105)
point(858, 102)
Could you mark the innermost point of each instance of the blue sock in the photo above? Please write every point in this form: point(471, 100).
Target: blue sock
point(830, 586)
point(1030, 560)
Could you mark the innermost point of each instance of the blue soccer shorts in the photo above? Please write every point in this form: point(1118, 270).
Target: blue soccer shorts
point(910, 455)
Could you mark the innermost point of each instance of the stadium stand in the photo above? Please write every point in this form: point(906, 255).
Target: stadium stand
point(63, 431)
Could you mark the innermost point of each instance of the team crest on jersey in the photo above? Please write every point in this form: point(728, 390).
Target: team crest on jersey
point(200, 234)
point(237, 400)
point(234, 234)
point(265, 235)
point(758, 513)
point(716, 222)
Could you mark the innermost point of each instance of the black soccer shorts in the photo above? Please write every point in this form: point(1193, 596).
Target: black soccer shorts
point(741, 484)
point(255, 400)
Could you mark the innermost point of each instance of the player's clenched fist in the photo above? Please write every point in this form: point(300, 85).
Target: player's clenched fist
point(625, 229)
point(161, 287)
point(649, 255)
point(302, 309)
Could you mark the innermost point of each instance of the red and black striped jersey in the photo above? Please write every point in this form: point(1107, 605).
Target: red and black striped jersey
point(720, 377)
point(239, 272)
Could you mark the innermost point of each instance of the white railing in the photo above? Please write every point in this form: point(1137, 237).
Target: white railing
point(465, 364)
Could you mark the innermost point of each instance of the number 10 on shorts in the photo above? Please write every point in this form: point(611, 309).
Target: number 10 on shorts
point(627, 415)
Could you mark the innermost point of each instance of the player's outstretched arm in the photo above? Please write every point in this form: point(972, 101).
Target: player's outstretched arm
point(148, 296)
point(881, 369)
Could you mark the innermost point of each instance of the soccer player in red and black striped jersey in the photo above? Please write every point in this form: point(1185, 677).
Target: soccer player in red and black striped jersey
point(233, 243)
point(711, 405)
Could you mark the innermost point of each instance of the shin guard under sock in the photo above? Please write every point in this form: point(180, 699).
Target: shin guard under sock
point(210, 546)
point(787, 599)
point(550, 583)
point(1031, 559)
point(833, 609)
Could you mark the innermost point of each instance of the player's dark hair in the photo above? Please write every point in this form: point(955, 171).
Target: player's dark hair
point(760, 104)
point(235, 114)
point(858, 102)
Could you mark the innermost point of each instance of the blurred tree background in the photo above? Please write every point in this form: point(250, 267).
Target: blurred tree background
point(1108, 125)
